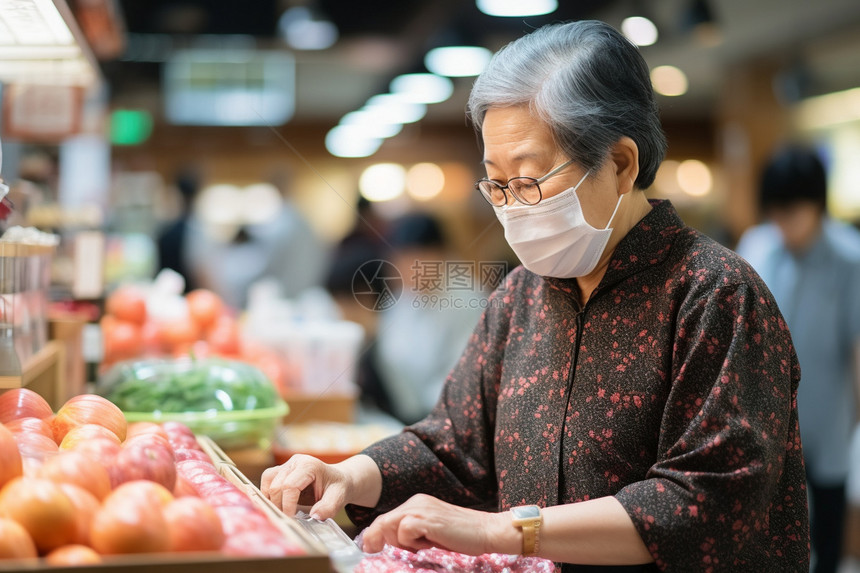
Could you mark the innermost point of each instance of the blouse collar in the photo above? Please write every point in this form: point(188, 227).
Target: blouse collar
point(647, 244)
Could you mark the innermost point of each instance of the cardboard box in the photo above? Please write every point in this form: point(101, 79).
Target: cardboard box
point(319, 407)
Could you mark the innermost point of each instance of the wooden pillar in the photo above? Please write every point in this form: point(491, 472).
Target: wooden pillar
point(751, 122)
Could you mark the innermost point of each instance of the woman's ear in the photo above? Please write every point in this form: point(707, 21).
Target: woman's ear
point(625, 155)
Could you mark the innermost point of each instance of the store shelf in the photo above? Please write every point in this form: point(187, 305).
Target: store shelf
point(22, 250)
point(43, 373)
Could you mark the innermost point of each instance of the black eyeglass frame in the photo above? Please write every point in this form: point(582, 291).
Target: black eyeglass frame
point(536, 181)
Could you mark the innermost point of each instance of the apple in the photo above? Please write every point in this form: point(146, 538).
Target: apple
point(89, 409)
point(193, 525)
point(146, 456)
point(23, 403)
point(10, 458)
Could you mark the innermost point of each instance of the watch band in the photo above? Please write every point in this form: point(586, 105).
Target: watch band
point(529, 519)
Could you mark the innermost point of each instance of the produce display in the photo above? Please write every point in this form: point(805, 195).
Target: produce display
point(232, 402)
point(140, 324)
point(81, 493)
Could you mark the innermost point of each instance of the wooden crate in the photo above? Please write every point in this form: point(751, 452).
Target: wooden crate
point(316, 561)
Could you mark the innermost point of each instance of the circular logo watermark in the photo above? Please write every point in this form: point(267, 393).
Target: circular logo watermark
point(377, 285)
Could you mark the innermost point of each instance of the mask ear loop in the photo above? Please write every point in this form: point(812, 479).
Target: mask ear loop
point(620, 197)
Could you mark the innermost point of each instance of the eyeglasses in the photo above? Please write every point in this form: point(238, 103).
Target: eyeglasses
point(526, 190)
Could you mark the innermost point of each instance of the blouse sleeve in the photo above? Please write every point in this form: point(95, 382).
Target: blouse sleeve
point(729, 425)
point(449, 454)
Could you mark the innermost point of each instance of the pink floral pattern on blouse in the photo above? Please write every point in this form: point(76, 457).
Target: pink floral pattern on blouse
point(672, 390)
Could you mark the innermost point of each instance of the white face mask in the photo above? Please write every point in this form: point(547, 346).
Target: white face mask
point(552, 238)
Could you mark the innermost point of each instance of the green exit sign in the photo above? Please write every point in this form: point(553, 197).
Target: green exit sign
point(130, 126)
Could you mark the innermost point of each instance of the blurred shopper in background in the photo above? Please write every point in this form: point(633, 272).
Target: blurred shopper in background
point(340, 284)
point(812, 265)
point(248, 235)
point(172, 241)
point(421, 336)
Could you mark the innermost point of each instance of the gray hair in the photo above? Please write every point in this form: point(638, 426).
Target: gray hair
point(587, 82)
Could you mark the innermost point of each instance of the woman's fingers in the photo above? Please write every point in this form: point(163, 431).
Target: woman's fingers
point(285, 484)
point(330, 502)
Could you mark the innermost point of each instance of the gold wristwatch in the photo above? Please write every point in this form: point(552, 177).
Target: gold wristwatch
point(529, 519)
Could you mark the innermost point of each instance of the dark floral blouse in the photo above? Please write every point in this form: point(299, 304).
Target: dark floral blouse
point(673, 390)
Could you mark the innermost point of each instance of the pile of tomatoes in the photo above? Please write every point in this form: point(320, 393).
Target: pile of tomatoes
point(204, 326)
point(129, 331)
point(81, 484)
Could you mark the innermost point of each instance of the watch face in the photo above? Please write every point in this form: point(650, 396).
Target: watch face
point(526, 512)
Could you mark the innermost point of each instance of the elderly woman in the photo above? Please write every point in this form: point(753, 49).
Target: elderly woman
point(628, 398)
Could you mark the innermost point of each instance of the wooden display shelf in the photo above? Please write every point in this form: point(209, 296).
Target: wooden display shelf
point(319, 407)
point(44, 373)
point(24, 250)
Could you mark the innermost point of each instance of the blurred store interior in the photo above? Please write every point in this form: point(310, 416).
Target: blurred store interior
point(266, 150)
point(106, 101)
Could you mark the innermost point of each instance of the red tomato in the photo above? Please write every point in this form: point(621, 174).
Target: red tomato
point(193, 525)
point(30, 424)
point(129, 522)
point(89, 409)
point(178, 333)
point(197, 349)
point(78, 469)
point(204, 306)
point(22, 403)
point(122, 341)
point(42, 508)
point(86, 506)
point(150, 337)
point(127, 303)
point(10, 457)
point(72, 555)
point(224, 338)
point(145, 457)
point(15, 542)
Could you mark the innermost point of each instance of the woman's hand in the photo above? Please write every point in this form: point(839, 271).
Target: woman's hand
point(305, 480)
point(424, 521)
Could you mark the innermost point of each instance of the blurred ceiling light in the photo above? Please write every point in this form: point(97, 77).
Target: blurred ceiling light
point(33, 23)
point(511, 8)
point(639, 30)
point(829, 109)
point(424, 181)
point(351, 141)
point(669, 81)
point(396, 108)
point(372, 123)
point(382, 182)
point(458, 61)
point(302, 30)
point(694, 178)
point(261, 203)
point(37, 40)
point(422, 88)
